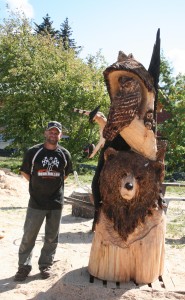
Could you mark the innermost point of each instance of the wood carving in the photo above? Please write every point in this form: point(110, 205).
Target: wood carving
point(129, 221)
point(132, 222)
point(132, 96)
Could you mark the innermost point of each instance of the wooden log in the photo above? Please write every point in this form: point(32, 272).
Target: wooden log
point(80, 208)
point(82, 203)
point(140, 258)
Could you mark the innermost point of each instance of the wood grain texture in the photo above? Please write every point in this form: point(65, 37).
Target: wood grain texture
point(141, 258)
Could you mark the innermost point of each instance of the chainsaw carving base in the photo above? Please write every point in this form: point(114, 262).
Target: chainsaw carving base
point(140, 258)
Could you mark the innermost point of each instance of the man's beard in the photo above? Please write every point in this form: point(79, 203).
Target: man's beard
point(52, 142)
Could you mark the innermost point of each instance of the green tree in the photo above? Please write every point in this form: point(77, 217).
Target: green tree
point(46, 27)
point(173, 129)
point(65, 33)
point(41, 82)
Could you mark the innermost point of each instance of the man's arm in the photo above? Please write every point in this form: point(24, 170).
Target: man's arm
point(25, 175)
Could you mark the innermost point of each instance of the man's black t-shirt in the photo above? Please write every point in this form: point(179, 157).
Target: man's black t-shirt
point(47, 169)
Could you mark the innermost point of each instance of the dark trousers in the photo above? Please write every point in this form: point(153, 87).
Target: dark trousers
point(32, 225)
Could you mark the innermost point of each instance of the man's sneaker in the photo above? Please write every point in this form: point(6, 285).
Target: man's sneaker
point(45, 272)
point(22, 273)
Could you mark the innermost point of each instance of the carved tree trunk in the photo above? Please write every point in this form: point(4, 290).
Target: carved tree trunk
point(129, 239)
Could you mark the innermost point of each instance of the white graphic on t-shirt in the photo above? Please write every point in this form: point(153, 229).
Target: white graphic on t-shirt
point(50, 163)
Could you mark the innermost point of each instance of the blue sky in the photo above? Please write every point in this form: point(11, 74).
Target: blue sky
point(113, 25)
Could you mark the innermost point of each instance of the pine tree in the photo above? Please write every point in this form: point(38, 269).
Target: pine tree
point(46, 27)
point(66, 33)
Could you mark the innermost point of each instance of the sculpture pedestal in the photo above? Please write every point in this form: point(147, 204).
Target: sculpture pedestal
point(140, 258)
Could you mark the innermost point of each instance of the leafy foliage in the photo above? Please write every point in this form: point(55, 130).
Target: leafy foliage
point(42, 82)
point(173, 129)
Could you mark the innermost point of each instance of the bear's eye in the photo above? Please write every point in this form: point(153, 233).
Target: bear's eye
point(124, 174)
point(139, 177)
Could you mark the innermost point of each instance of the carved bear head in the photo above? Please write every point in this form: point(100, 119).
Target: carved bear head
point(130, 188)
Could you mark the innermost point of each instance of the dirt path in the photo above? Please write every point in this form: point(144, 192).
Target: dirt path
point(70, 279)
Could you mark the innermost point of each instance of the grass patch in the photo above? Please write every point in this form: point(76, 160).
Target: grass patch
point(12, 163)
point(175, 190)
point(175, 229)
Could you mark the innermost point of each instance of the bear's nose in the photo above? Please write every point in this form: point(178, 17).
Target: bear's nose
point(129, 186)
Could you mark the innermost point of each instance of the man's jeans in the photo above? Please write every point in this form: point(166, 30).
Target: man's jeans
point(32, 225)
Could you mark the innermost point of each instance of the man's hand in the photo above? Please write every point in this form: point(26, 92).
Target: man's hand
point(25, 175)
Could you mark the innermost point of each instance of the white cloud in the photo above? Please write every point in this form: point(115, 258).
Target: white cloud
point(23, 6)
point(177, 57)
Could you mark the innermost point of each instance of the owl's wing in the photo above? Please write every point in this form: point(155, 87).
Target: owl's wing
point(123, 110)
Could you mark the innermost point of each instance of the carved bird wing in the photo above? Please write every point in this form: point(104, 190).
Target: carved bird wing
point(124, 107)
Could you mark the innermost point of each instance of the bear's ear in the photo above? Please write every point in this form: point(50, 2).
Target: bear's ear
point(110, 153)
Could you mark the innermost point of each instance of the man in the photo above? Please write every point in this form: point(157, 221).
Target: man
point(46, 166)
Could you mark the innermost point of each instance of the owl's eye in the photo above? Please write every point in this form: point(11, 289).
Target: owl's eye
point(127, 84)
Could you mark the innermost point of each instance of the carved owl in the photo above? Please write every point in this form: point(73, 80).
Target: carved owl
point(125, 106)
point(132, 90)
